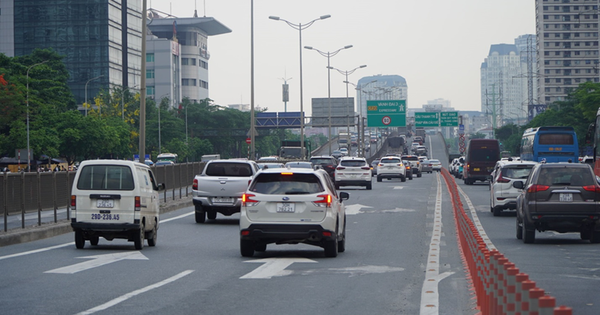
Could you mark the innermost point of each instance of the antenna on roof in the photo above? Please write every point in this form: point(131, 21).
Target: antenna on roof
point(195, 9)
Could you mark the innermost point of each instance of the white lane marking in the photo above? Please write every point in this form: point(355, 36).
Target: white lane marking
point(429, 292)
point(97, 261)
point(35, 251)
point(71, 243)
point(134, 293)
point(355, 209)
point(476, 221)
point(352, 271)
point(398, 187)
point(272, 267)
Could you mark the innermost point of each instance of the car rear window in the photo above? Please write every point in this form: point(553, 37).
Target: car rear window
point(353, 163)
point(519, 172)
point(105, 177)
point(285, 184)
point(229, 169)
point(566, 176)
point(391, 161)
point(322, 161)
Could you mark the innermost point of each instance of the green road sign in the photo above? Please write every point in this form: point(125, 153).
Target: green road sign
point(427, 119)
point(449, 119)
point(390, 113)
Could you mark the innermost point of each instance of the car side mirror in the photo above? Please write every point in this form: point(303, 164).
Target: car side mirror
point(518, 184)
point(344, 195)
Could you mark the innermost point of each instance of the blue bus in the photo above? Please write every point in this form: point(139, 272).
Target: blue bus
point(550, 144)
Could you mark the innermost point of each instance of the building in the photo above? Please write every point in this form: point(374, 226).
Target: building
point(503, 93)
point(380, 87)
point(100, 39)
point(567, 46)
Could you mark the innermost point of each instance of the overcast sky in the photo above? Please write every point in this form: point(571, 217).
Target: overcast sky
point(436, 45)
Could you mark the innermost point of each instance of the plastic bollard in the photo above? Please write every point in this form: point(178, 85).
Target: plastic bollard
point(526, 286)
point(546, 305)
point(534, 295)
point(511, 290)
point(563, 310)
point(501, 309)
point(520, 278)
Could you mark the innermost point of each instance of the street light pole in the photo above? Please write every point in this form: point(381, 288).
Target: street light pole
point(86, 84)
point(27, 101)
point(300, 27)
point(328, 55)
point(347, 73)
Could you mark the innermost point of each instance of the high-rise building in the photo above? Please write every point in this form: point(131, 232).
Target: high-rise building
point(567, 46)
point(100, 39)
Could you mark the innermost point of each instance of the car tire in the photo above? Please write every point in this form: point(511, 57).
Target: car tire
point(403, 179)
point(152, 237)
point(211, 215)
point(337, 186)
point(138, 238)
point(419, 174)
point(331, 248)
point(369, 186)
point(342, 242)
point(519, 229)
point(378, 178)
point(246, 248)
point(200, 215)
point(585, 234)
point(528, 235)
point(260, 247)
point(94, 240)
point(497, 211)
point(79, 239)
point(594, 236)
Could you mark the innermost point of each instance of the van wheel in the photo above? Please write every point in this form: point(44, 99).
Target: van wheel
point(153, 236)
point(211, 215)
point(79, 240)
point(138, 239)
point(200, 215)
point(246, 248)
point(94, 240)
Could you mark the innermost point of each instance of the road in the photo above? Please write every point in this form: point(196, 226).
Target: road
point(401, 258)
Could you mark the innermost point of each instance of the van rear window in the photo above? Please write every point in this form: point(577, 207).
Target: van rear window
point(484, 155)
point(105, 177)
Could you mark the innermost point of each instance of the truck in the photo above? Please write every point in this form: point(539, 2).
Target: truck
point(344, 138)
point(395, 144)
point(291, 150)
point(421, 133)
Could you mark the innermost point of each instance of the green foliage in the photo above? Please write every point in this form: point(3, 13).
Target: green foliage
point(478, 135)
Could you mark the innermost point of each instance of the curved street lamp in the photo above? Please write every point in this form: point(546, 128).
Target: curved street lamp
point(347, 73)
point(328, 55)
point(300, 27)
point(86, 84)
point(27, 101)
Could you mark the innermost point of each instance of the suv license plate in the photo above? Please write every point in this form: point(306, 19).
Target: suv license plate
point(223, 199)
point(286, 207)
point(566, 197)
point(105, 203)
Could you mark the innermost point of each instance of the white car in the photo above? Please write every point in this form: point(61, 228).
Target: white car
point(115, 199)
point(353, 171)
point(391, 167)
point(344, 151)
point(436, 165)
point(291, 206)
point(503, 195)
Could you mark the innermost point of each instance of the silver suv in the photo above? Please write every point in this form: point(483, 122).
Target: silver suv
point(291, 206)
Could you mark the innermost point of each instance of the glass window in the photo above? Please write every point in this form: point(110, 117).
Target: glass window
point(105, 177)
point(279, 184)
point(150, 74)
point(552, 139)
point(229, 169)
point(150, 57)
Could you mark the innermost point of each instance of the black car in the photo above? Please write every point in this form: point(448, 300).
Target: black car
point(326, 162)
point(561, 197)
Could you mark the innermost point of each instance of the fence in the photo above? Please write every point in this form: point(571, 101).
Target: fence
point(26, 193)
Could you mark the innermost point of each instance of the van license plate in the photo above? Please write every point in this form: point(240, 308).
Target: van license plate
point(286, 207)
point(566, 197)
point(477, 169)
point(105, 203)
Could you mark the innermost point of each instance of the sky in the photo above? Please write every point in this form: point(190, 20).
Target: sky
point(436, 45)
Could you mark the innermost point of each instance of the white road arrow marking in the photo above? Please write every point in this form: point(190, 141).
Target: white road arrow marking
point(355, 209)
point(272, 267)
point(97, 261)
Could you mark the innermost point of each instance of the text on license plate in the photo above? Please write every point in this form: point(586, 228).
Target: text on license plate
point(105, 203)
point(565, 197)
point(223, 199)
point(105, 216)
point(286, 207)
point(477, 169)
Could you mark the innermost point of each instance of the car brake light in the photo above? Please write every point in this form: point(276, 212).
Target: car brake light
point(594, 188)
point(339, 168)
point(535, 188)
point(195, 184)
point(324, 201)
point(73, 202)
point(502, 179)
point(247, 200)
point(138, 203)
point(287, 173)
point(365, 168)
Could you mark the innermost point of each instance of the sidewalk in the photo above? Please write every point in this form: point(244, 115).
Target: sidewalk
point(33, 233)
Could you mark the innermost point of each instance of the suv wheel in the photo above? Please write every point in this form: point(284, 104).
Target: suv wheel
point(369, 186)
point(403, 178)
point(519, 229)
point(528, 235)
point(419, 174)
point(497, 211)
point(331, 248)
point(200, 215)
point(247, 248)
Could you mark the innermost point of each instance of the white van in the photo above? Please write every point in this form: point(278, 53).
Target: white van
point(115, 199)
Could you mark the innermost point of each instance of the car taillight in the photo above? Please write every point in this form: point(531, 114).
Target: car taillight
point(138, 203)
point(73, 202)
point(195, 184)
point(594, 188)
point(247, 200)
point(365, 168)
point(325, 201)
point(502, 179)
point(535, 188)
point(339, 168)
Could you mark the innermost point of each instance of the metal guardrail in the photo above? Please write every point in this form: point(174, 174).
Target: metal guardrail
point(42, 193)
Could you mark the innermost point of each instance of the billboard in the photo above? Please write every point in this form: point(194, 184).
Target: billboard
point(534, 110)
point(342, 112)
